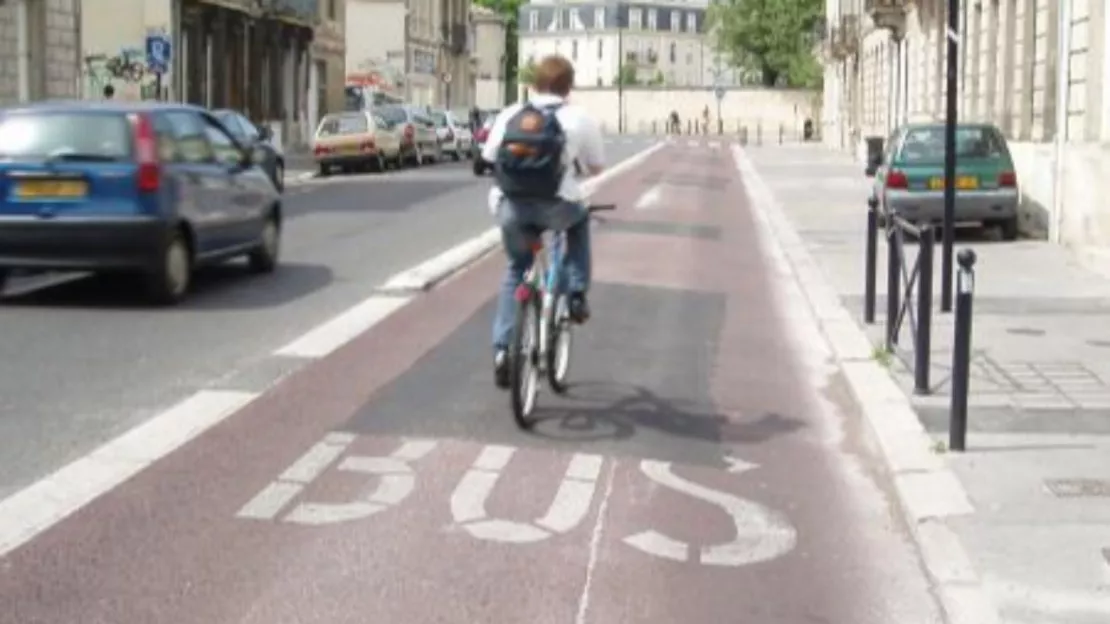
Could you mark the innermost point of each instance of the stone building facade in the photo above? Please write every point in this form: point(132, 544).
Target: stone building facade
point(1038, 69)
point(39, 49)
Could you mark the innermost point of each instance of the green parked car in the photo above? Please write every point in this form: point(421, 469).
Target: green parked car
point(909, 176)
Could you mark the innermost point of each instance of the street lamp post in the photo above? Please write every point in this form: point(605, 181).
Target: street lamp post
point(620, 69)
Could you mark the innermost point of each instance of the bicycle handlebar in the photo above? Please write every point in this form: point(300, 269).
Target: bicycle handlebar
point(600, 207)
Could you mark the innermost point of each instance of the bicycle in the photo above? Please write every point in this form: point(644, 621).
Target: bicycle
point(541, 337)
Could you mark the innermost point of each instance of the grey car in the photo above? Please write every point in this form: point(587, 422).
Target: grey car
point(258, 138)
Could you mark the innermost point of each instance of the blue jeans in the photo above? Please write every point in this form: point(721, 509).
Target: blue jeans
point(520, 221)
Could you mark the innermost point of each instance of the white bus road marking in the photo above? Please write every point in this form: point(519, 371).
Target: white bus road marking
point(274, 497)
point(567, 510)
point(761, 534)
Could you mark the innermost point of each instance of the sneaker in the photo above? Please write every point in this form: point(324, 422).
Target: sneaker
point(578, 308)
point(501, 369)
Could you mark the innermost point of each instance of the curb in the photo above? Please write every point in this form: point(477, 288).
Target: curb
point(928, 491)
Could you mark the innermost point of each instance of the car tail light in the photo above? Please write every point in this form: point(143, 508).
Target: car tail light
point(366, 146)
point(481, 134)
point(1007, 179)
point(149, 175)
point(897, 180)
point(320, 149)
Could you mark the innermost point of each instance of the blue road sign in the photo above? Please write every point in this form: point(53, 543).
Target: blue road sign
point(720, 93)
point(158, 54)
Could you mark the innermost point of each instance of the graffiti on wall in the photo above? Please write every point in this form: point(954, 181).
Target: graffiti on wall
point(382, 74)
point(125, 71)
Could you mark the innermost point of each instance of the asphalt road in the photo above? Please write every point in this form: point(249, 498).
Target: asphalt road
point(84, 361)
point(706, 465)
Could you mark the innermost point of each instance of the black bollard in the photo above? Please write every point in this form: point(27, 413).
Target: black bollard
point(759, 133)
point(893, 283)
point(961, 350)
point(922, 349)
point(782, 134)
point(743, 135)
point(870, 268)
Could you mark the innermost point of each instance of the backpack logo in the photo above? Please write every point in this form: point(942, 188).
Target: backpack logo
point(530, 159)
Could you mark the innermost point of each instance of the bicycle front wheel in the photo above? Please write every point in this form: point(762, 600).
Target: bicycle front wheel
point(557, 350)
point(524, 360)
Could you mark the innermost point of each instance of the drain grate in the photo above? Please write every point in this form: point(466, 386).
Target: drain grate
point(1078, 488)
point(1025, 331)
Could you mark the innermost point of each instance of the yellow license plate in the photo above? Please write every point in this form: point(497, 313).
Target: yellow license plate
point(51, 189)
point(354, 149)
point(962, 183)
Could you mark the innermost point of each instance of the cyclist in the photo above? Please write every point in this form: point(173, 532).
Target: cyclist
point(531, 194)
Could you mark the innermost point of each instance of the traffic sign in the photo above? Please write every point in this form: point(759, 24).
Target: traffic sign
point(720, 93)
point(446, 77)
point(158, 54)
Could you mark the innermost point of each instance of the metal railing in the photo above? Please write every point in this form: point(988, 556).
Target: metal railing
point(904, 281)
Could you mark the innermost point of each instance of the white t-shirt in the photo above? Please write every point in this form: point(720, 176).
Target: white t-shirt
point(584, 144)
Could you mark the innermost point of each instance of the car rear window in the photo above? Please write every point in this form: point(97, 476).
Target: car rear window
point(393, 114)
point(44, 135)
point(343, 124)
point(439, 118)
point(926, 145)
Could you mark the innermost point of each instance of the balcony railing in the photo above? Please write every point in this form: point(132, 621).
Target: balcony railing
point(886, 13)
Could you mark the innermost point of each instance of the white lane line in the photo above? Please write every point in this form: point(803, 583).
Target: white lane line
point(19, 286)
point(649, 199)
point(43, 504)
point(595, 547)
point(341, 329)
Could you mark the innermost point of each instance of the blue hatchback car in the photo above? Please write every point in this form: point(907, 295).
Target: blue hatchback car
point(155, 189)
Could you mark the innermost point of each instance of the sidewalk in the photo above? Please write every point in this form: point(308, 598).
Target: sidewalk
point(1037, 469)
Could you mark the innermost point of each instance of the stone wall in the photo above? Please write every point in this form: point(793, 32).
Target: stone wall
point(742, 106)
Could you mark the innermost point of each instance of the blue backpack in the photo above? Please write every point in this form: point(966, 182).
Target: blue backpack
point(529, 161)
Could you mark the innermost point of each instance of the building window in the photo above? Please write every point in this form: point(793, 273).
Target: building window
point(574, 50)
point(558, 19)
point(599, 17)
point(676, 21)
point(674, 51)
point(534, 20)
point(692, 22)
point(653, 19)
point(600, 48)
point(635, 19)
point(575, 21)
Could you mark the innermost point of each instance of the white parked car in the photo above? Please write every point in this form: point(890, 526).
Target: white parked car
point(453, 134)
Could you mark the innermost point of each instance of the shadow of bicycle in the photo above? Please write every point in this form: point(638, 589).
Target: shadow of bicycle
point(613, 411)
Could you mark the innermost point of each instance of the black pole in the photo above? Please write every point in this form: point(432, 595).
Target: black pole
point(950, 154)
point(922, 350)
point(961, 352)
point(893, 282)
point(158, 86)
point(870, 266)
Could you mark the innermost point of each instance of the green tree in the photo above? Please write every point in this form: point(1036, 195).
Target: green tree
point(510, 11)
point(774, 37)
point(626, 76)
point(526, 74)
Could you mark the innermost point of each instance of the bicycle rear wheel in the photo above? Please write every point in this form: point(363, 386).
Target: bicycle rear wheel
point(559, 340)
point(524, 360)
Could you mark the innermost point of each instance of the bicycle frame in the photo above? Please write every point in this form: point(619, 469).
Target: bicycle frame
point(543, 278)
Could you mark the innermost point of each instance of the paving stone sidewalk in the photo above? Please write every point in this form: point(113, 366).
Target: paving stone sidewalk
point(1038, 462)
